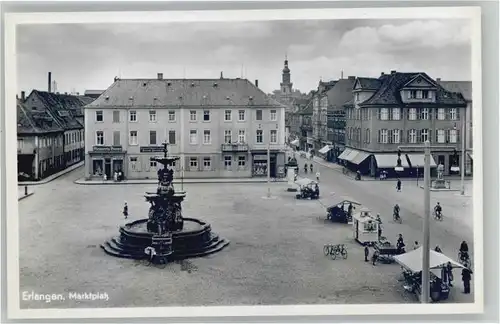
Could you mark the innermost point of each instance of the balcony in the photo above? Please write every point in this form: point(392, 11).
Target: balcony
point(237, 147)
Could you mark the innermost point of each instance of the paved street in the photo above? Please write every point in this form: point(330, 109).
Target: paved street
point(275, 255)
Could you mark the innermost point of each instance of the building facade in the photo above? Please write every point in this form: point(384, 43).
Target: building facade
point(65, 110)
point(402, 110)
point(218, 128)
point(40, 149)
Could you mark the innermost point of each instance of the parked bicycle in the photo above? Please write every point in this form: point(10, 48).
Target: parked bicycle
point(335, 250)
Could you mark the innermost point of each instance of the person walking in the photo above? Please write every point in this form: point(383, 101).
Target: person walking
point(317, 176)
point(367, 252)
point(398, 185)
point(466, 278)
point(125, 210)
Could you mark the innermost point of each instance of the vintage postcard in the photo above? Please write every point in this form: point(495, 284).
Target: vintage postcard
point(244, 163)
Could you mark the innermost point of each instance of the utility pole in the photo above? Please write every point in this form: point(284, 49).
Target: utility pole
point(426, 242)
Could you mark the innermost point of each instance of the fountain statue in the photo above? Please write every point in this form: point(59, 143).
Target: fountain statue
point(439, 183)
point(165, 235)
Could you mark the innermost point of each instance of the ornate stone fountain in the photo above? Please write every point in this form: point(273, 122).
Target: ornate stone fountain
point(165, 235)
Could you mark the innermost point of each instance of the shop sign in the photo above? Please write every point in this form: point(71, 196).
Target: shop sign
point(259, 157)
point(151, 149)
point(107, 149)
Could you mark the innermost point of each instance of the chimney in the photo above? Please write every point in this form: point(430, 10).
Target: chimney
point(351, 77)
point(393, 72)
point(23, 96)
point(221, 76)
point(50, 82)
point(257, 83)
point(438, 79)
point(160, 76)
point(382, 74)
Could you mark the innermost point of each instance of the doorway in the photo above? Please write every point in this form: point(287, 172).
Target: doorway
point(107, 168)
point(272, 165)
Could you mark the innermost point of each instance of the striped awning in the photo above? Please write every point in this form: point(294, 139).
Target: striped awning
point(418, 160)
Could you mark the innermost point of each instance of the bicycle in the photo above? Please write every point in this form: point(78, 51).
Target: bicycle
point(437, 216)
point(335, 249)
point(464, 259)
point(397, 218)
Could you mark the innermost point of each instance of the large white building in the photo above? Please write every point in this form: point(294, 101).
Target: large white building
point(219, 128)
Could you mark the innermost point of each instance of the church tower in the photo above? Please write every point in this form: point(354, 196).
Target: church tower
point(286, 85)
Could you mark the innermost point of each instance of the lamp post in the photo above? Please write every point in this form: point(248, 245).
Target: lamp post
point(425, 285)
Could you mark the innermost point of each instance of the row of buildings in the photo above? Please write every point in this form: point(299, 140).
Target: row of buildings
point(362, 122)
point(50, 132)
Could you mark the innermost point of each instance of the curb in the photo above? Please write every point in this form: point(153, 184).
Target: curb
point(192, 181)
point(25, 196)
point(52, 177)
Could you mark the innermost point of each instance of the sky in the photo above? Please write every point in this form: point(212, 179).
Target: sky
point(89, 56)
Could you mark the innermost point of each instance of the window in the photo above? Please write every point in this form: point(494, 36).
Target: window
point(395, 136)
point(98, 116)
point(412, 114)
point(152, 164)
point(259, 136)
point(412, 136)
point(274, 136)
point(227, 136)
point(396, 114)
point(152, 137)
point(206, 115)
point(152, 116)
point(413, 94)
point(116, 138)
point(99, 138)
point(133, 138)
point(193, 162)
point(171, 115)
point(425, 94)
point(258, 115)
point(453, 113)
point(206, 137)
point(367, 136)
point(241, 115)
point(384, 114)
point(273, 115)
point(424, 113)
point(227, 115)
point(193, 136)
point(192, 115)
point(207, 163)
point(171, 137)
point(241, 136)
point(424, 135)
point(241, 161)
point(228, 160)
point(356, 95)
point(441, 114)
point(440, 136)
point(133, 116)
point(453, 135)
point(383, 137)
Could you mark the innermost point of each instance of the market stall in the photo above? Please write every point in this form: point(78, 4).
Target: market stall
point(365, 227)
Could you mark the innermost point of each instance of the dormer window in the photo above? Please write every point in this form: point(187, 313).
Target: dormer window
point(192, 84)
point(357, 96)
point(425, 94)
point(169, 84)
point(413, 94)
point(215, 85)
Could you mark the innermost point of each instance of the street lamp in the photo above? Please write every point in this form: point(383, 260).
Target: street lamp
point(399, 166)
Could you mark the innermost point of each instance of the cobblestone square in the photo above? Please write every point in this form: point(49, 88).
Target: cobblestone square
point(275, 255)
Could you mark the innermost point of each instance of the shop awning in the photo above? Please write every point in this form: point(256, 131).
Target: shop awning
point(344, 154)
point(325, 149)
point(360, 157)
point(295, 142)
point(352, 155)
point(390, 160)
point(418, 160)
point(413, 260)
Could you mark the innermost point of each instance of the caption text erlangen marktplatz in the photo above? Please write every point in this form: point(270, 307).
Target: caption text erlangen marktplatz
point(79, 296)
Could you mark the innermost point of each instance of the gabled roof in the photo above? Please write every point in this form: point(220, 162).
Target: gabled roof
point(62, 107)
point(368, 83)
point(391, 84)
point(35, 122)
point(182, 92)
point(340, 93)
point(419, 76)
point(463, 87)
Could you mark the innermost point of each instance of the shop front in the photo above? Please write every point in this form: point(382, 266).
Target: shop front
point(276, 164)
point(106, 160)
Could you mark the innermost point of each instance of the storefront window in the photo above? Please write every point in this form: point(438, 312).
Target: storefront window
point(97, 167)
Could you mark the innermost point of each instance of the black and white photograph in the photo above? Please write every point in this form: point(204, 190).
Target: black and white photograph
point(192, 162)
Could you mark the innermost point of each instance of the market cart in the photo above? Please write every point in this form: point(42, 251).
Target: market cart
point(365, 227)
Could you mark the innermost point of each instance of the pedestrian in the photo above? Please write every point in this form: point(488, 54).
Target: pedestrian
point(438, 249)
point(398, 185)
point(125, 210)
point(317, 176)
point(449, 270)
point(466, 278)
point(374, 257)
point(115, 176)
point(415, 245)
point(367, 252)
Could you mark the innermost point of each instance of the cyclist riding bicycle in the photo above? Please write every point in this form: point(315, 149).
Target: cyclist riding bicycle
point(438, 210)
point(396, 212)
point(464, 251)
